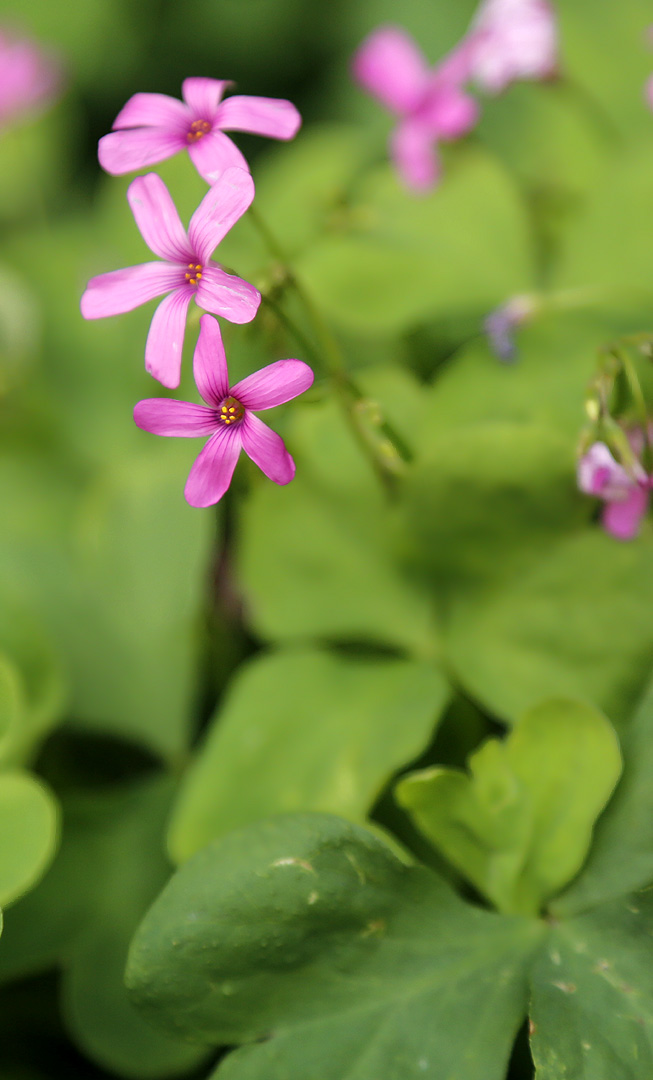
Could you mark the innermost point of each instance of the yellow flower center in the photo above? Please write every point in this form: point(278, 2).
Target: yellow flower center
point(197, 130)
point(230, 411)
point(194, 273)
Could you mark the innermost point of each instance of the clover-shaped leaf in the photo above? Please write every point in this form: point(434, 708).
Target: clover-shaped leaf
point(519, 825)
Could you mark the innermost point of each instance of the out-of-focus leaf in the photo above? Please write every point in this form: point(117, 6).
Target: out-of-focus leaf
point(305, 730)
point(353, 959)
point(578, 619)
point(11, 704)
point(592, 999)
point(28, 833)
point(519, 825)
point(621, 857)
point(400, 259)
point(19, 328)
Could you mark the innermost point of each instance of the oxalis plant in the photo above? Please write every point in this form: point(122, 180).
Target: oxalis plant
point(347, 776)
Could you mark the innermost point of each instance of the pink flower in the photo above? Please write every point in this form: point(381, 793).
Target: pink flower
point(227, 417)
point(153, 127)
point(512, 39)
point(29, 78)
point(187, 269)
point(429, 102)
point(625, 494)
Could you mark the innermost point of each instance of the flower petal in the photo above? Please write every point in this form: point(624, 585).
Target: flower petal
point(153, 110)
point(622, 518)
point(513, 39)
point(599, 474)
point(274, 384)
point(413, 150)
point(204, 95)
point(227, 295)
point(267, 450)
point(210, 362)
point(124, 290)
point(274, 117)
point(212, 471)
point(157, 218)
point(213, 154)
point(124, 151)
point(448, 112)
point(165, 339)
point(163, 416)
point(220, 208)
point(391, 68)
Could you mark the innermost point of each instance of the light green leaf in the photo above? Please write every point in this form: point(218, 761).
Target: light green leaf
point(11, 704)
point(305, 730)
point(400, 260)
point(621, 857)
point(592, 999)
point(519, 825)
point(28, 833)
point(578, 619)
point(309, 927)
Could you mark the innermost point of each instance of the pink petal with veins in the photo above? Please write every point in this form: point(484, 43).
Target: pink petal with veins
point(227, 295)
point(203, 96)
point(210, 363)
point(274, 384)
point(213, 154)
point(124, 151)
point(165, 338)
point(219, 210)
point(154, 110)
point(163, 416)
point(274, 117)
point(391, 67)
point(124, 290)
point(213, 469)
point(157, 219)
point(267, 450)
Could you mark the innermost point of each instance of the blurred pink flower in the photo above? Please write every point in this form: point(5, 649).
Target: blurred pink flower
point(429, 102)
point(625, 494)
point(187, 269)
point(227, 417)
point(153, 127)
point(29, 78)
point(512, 39)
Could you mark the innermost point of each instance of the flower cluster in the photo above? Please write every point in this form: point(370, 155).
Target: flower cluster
point(507, 40)
point(624, 491)
point(150, 128)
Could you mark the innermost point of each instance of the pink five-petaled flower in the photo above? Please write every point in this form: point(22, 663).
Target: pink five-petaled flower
point(512, 39)
point(227, 417)
point(29, 78)
point(625, 494)
point(187, 271)
point(430, 104)
point(153, 127)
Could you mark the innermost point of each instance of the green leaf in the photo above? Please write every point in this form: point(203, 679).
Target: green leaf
point(621, 857)
point(486, 500)
point(317, 559)
point(400, 260)
point(520, 824)
point(310, 928)
point(81, 916)
point(592, 999)
point(578, 620)
point(10, 698)
point(28, 833)
point(305, 730)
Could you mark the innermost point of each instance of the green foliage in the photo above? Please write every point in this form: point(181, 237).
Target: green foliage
point(303, 901)
point(28, 833)
point(318, 731)
point(519, 825)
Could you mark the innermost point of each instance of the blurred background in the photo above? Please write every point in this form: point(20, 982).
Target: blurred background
point(124, 613)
